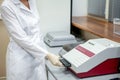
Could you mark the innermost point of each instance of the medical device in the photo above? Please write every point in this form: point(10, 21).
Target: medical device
point(59, 38)
point(94, 57)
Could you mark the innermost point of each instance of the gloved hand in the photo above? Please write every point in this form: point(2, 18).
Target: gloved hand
point(54, 59)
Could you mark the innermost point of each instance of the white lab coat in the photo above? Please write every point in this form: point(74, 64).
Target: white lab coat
point(25, 53)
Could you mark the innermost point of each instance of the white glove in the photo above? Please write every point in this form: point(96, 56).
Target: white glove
point(54, 59)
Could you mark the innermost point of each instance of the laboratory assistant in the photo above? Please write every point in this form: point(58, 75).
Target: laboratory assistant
point(26, 53)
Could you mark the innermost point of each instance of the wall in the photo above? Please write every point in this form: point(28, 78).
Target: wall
point(54, 15)
point(79, 8)
point(3, 45)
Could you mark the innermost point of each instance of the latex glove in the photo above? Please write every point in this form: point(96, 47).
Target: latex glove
point(54, 59)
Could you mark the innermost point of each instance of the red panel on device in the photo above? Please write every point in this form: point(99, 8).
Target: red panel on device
point(109, 66)
point(85, 51)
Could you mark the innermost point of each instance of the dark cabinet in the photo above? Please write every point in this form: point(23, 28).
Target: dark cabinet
point(107, 9)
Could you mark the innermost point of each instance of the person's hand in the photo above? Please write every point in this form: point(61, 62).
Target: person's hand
point(54, 59)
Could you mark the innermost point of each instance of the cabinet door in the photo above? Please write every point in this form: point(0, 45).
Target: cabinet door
point(96, 7)
point(114, 11)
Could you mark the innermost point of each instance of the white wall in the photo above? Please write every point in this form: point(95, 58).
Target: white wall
point(79, 8)
point(55, 15)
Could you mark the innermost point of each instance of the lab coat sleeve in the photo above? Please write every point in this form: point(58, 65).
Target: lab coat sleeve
point(19, 35)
